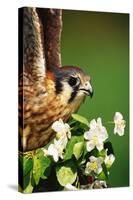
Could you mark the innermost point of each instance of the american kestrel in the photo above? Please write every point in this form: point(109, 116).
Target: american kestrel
point(47, 91)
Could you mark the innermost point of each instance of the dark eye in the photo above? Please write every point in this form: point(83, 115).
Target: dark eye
point(73, 81)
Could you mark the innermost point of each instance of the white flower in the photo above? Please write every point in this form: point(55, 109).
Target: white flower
point(63, 133)
point(70, 187)
point(119, 124)
point(94, 165)
point(52, 151)
point(61, 128)
point(109, 159)
point(56, 149)
point(96, 135)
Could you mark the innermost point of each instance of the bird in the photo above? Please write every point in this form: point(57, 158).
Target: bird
point(47, 91)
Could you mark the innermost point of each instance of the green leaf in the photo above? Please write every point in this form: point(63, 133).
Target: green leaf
point(39, 153)
point(27, 165)
point(105, 170)
point(46, 167)
point(25, 169)
point(102, 153)
point(78, 149)
point(26, 181)
point(28, 189)
point(66, 173)
point(69, 148)
point(37, 171)
point(81, 119)
point(32, 180)
point(104, 174)
point(41, 163)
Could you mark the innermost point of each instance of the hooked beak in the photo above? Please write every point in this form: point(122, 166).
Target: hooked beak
point(87, 88)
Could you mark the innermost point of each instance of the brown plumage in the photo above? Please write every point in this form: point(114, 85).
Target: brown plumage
point(46, 91)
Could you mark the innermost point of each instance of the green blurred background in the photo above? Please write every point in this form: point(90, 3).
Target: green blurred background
point(99, 43)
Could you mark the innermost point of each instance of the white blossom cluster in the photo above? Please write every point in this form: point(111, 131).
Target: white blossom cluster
point(94, 137)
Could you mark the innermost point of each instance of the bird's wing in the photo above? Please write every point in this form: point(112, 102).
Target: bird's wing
point(52, 26)
point(33, 62)
point(41, 41)
point(39, 51)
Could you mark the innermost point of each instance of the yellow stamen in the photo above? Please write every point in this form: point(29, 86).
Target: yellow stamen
point(121, 123)
point(93, 166)
point(95, 140)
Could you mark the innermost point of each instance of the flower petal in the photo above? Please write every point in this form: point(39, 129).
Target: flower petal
point(109, 159)
point(90, 145)
point(99, 160)
point(52, 151)
point(88, 135)
point(69, 134)
point(112, 158)
point(87, 169)
point(119, 130)
point(99, 122)
point(93, 124)
point(99, 146)
point(70, 187)
point(103, 135)
point(118, 116)
point(57, 126)
point(67, 127)
point(92, 158)
point(98, 170)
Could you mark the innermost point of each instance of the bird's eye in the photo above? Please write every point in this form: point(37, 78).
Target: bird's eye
point(73, 81)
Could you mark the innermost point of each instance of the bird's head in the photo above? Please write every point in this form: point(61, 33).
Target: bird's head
point(73, 84)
